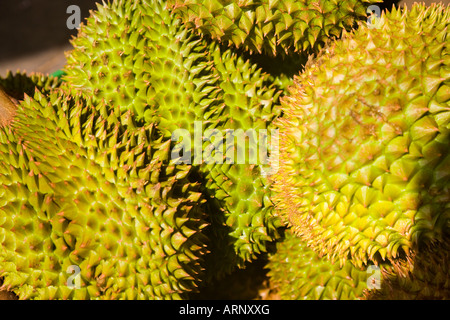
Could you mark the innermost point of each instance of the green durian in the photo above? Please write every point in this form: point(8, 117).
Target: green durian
point(249, 102)
point(137, 57)
point(271, 27)
point(90, 206)
point(296, 272)
point(364, 141)
point(426, 277)
point(175, 79)
point(20, 83)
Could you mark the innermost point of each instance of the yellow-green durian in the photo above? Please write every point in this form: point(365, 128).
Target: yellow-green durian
point(91, 207)
point(364, 140)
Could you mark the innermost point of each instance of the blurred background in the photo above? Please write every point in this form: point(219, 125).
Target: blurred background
point(34, 34)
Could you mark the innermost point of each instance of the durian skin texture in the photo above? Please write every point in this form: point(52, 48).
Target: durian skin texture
point(270, 27)
point(137, 56)
point(83, 189)
point(364, 141)
point(427, 280)
point(17, 84)
point(297, 272)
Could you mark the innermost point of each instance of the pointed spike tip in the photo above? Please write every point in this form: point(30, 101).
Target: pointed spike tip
point(7, 108)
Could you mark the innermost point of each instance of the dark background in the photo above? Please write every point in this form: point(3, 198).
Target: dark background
point(34, 35)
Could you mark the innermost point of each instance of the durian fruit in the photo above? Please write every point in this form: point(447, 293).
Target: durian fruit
point(296, 272)
point(91, 207)
point(428, 279)
point(19, 83)
point(137, 56)
point(364, 141)
point(271, 27)
point(250, 103)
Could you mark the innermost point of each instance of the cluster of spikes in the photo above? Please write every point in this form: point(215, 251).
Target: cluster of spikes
point(363, 154)
point(85, 188)
point(139, 174)
point(271, 26)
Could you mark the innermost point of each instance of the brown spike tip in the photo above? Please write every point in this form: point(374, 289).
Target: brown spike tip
point(7, 108)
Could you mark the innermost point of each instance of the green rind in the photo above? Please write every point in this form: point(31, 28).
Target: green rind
point(271, 27)
point(296, 272)
point(83, 188)
point(428, 279)
point(364, 141)
point(19, 83)
point(173, 79)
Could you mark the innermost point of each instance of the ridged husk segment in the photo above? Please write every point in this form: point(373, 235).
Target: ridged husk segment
point(17, 84)
point(7, 108)
point(364, 140)
point(426, 276)
point(138, 56)
point(270, 27)
point(83, 187)
point(134, 55)
point(249, 102)
point(296, 272)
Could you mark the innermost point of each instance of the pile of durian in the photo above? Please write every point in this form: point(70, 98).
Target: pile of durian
point(94, 205)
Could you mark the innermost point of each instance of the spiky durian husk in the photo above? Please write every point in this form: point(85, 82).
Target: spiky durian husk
point(271, 27)
point(297, 272)
point(174, 79)
point(137, 57)
point(19, 83)
point(364, 148)
point(425, 276)
point(82, 186)
point(240, 187)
